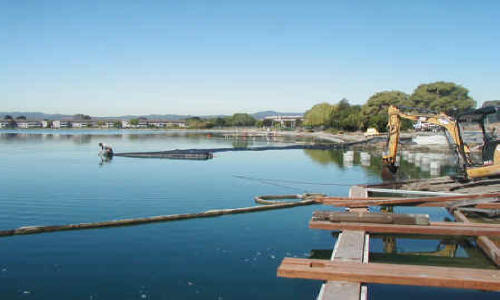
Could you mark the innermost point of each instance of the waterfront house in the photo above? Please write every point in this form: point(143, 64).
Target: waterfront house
point(28, 124)
point(125, 124)
point(180, 124)
point(61, 124)
point(110, 124)
point(81, 124)
point(45, 123)
point(4, 124)
point(157, 123)
point(142, 124)
point(288, 122)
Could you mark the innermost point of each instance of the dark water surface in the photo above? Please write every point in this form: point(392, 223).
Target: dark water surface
point(54, 177)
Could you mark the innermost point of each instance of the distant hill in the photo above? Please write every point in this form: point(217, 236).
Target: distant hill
point(35, 115)
point(41, 116)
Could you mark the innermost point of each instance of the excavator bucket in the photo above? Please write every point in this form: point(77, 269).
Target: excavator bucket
point(389, 172)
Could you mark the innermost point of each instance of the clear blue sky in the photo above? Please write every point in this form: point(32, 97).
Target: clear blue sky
point(206, 57)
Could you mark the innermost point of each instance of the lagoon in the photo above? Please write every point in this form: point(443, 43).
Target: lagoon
point(55, 177)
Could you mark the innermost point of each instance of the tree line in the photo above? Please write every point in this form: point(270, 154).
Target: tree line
point(438, 96)
point(238, 120)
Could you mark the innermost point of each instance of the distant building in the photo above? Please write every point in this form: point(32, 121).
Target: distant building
point(45, 124)
point(142, 124)
point(60, 124)
point(4, 124)
point(180, 124)
point(157, 123)
point(282, 121)
point(81, 124)
point(125, 124)
point(28, 124)
point(109, 124)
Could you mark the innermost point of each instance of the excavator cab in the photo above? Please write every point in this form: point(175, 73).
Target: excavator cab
point(487, 119)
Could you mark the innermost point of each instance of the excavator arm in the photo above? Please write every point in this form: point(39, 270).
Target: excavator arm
point(442, 120)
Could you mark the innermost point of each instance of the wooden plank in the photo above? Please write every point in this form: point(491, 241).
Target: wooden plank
point(479, 203)
point(487, 245)
point(341, 290)
point(436, 228)
point(407, 192)
point(352, 246)
point(359, 202)
point(358, 191)
point(488, 205)
point(371, 217)
point(465, 278)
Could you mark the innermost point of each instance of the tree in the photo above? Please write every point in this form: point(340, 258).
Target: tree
point(374, 111)
point(319, 115)
point(340, 116)
point(243, 120)
point(81, 117)
point(220, 122)
point(351, 118)
point(442, 96)
point(21, 118)
point(7, 117)
point(134, 122)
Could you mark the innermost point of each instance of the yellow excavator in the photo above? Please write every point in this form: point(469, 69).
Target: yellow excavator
point(489, 164)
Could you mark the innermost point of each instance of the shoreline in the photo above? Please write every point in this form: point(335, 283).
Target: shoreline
point(318, 137)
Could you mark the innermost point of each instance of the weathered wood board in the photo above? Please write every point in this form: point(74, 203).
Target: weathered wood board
point(371, 217)
point(435, 228)
point(465, 278)
point(350, 246)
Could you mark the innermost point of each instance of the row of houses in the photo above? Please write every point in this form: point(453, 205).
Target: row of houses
point(57, 124)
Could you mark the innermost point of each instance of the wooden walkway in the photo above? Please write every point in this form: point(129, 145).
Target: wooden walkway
point(348, 269)
point(350, 246)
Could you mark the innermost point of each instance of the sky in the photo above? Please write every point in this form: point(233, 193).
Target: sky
point(220, 57)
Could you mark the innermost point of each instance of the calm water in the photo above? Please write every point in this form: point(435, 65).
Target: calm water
point(50, 177)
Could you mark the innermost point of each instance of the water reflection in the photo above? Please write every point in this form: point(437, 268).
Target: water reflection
point(239, 139)
point(413, 164)
point(104, 159)
point(419, 250)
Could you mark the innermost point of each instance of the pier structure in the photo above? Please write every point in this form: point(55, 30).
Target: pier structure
point(349, 268)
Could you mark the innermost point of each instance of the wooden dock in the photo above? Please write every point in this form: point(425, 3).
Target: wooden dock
point(351, 246)
point(349, 269)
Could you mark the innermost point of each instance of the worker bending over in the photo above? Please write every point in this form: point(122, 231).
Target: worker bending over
point(106, 150)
